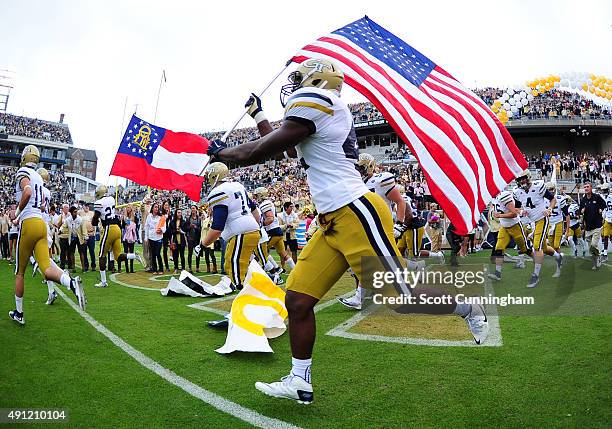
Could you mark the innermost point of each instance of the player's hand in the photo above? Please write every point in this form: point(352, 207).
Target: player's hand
point(214, 148)
point(197, 250)
point(253, 106)
point(16, 221)
point(399, 229)
point(496, 215)
point(546, 212)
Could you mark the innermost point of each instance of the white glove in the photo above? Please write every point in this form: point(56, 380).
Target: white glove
point(197, 250)
point(254, 109)
point(398, 230)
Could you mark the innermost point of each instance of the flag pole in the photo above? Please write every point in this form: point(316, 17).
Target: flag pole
point(161, 81)
point(262, 92)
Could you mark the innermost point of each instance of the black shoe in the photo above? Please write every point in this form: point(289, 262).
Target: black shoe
point(218, 324)
point(17, 317)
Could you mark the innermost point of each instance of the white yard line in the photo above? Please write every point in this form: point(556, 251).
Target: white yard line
point(224, 405)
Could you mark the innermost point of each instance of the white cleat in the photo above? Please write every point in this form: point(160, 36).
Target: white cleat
point(80, 293)
point(17, 317)
point(477, 323)
point(290, 387)
point(534, 281)
point(353, 302)
point(557, 273)
point(51, 299)
point(101, 284)
point(494, 276)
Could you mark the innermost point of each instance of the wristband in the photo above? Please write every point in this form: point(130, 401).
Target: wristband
point(259, 117)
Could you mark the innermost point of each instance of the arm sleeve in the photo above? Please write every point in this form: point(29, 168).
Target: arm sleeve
point(251, 204)
point(219, 217)
point(548, 195)
point(387, 182)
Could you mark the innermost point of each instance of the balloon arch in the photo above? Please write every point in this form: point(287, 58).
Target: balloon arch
point(599, 88)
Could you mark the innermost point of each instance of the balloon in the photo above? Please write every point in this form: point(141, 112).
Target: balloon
point(519, 104)
point(506, 106)
point(557, 84)
point(516, 96)
point(525, 101)
point(495, 108)
point(585, 87)
point(523, 94)
point(512, 101)
point(592, 89)
point(505, 97)
point(589, 82)
point(609, 95)
point(533, 94)
point(510, 91)
point(514, 109)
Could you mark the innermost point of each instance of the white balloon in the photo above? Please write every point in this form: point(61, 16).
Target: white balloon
point(529, 97)
point(589, 82)
point(510, 91)
point(517, 96)
point(557, 84)
point(506, 106)
point(519, 104)
point(525, 101)
point(565, 83)
point(523, 94)
point(505, 97)
point(512, 101)
point(514, 109)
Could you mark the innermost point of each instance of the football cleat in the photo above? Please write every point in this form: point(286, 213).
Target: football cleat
point(533, 281)
point(520, 264)
point(17, 317)
point(477, 323)
point(277, 279)
point(101, 284)
point(557, 273)
point(353, 302)
point(494, 276)
point(290, 387)
point(51, 299)
point(219, 324)
point(79, 292)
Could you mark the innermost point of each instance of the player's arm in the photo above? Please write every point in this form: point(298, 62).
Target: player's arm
point(290, 133)
point(268, 218)
point(254, 210)
point(26, 193)
point(400, 204)
point(219, 217)
point(513, 212)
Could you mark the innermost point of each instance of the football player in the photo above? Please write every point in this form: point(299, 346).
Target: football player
point(574, 232)
point(110, 242)
point(353, 222)
point(558, 217)
point(537, 203)
point(235, 219)
point(33, 233)
point(606, 232)
point(384, 185)
point(44, 174)
point(275, 234)
point(507, 210)
point(412, 239)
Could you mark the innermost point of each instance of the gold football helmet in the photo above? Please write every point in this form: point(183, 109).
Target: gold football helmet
point(523, 180)
point(30, 156)
point(101, 191)
point(550, 186)
point(216, 172)
point(44, 174)
point(260, 193)
point(314, 72)
point(366, 165)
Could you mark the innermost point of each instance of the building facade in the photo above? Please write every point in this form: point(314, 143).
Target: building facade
point(83, 162)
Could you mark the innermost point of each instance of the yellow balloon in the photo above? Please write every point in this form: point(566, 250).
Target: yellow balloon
point(592, 89)
point(609, 81)
point(585, 87)
point(609, 95)
point(534, 93)
point(495, 108)
point(592, 76)
point(598, 92)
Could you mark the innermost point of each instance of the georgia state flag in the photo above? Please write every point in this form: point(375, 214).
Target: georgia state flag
point(162, 159)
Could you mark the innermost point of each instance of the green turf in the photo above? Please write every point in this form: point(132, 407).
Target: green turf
point(553, 369)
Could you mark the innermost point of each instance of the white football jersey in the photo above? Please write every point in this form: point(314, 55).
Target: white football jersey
point(417, 220)
point(239, 217)
point(106, 207)
point(34, 204)
point(533, 200)
point(558, 213)
point(382, 184)
point(267, 206)
point(501, 206)
point(574, 214)
point(330, 153)
point(608, 213)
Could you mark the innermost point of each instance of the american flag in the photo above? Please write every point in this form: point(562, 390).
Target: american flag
point(465, 152)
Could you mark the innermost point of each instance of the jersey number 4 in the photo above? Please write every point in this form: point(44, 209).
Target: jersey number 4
point(529, 203)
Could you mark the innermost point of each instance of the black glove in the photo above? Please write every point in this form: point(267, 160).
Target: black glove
point(214, 148)
point(398, 229)
point(254, 108)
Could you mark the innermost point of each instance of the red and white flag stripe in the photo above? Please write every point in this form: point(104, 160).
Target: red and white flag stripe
point(466, 154)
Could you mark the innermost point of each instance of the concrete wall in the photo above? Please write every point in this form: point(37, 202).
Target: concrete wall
point(590, 144)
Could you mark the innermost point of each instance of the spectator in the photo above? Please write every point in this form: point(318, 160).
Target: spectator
point(178, 239)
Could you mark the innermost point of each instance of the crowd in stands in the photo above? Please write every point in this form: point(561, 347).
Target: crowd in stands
point(34, 128)
point(572, 166)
